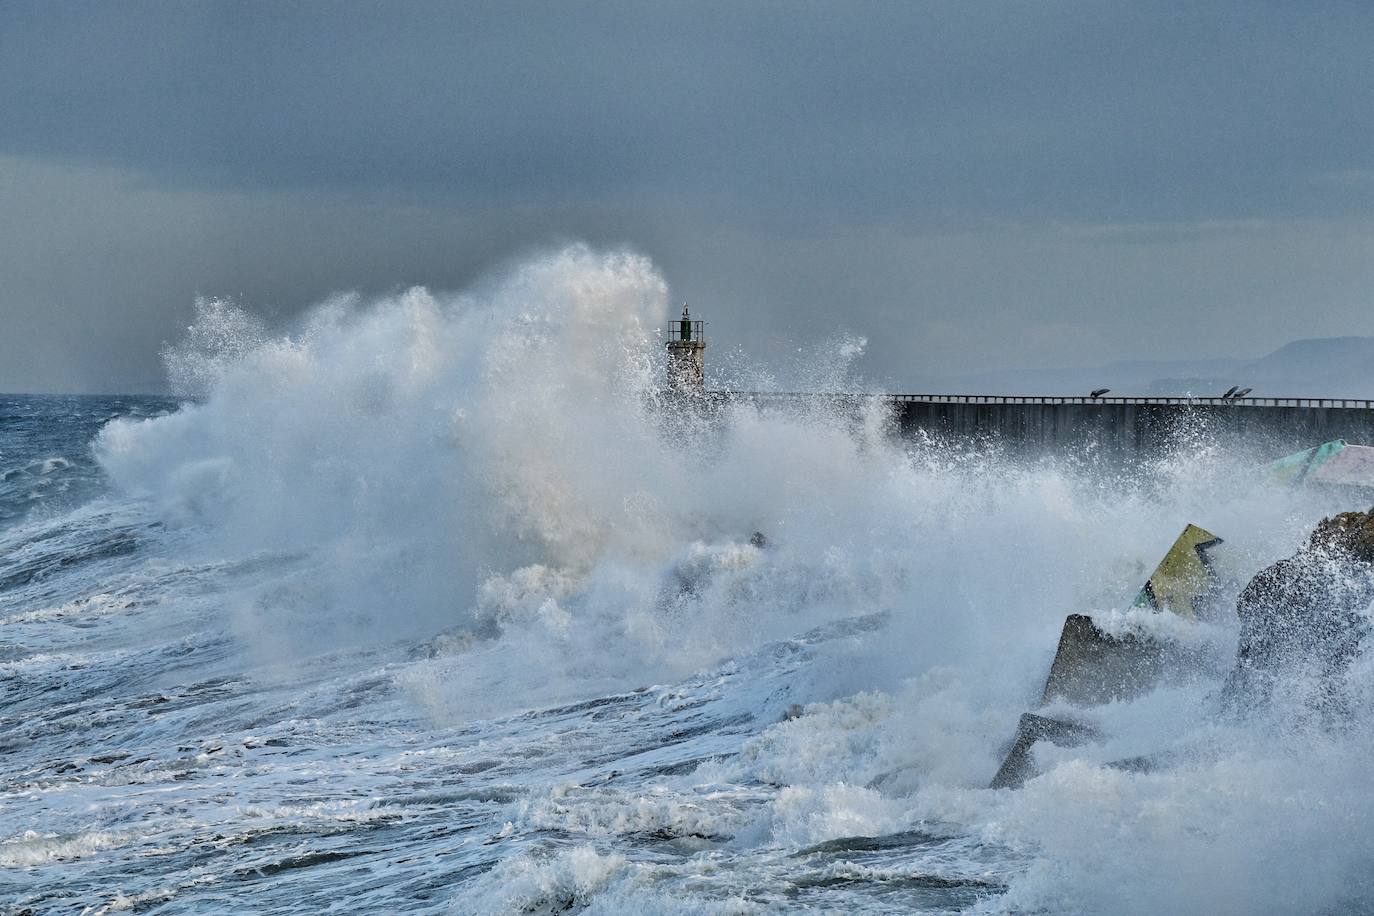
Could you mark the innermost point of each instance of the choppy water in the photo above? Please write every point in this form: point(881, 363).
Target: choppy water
point(431, 606)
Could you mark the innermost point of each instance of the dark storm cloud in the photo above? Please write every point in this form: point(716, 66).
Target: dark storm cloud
point(968, 184)
point(802, 111)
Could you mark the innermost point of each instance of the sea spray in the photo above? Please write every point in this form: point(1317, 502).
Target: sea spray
point(503, 461)
point(222, 334)
point(410, 442)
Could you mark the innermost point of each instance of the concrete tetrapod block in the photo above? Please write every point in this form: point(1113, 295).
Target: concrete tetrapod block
point(1184, 581)
point(1019, 765)
point(1092, 667)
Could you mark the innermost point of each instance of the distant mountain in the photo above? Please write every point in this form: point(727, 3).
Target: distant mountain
point(1135, 377)
point(1331, 367)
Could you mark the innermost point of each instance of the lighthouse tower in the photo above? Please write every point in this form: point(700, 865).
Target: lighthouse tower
point(686, 354)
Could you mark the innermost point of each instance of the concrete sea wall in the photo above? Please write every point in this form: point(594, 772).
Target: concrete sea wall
point(1123, 427)
point(1135, 427)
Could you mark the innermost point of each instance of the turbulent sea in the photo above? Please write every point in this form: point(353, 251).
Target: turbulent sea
point(432, 604)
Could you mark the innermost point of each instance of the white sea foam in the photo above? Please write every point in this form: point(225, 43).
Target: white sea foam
point(33, 848)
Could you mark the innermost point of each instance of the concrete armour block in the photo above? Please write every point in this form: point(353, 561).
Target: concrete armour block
point(1093, 667)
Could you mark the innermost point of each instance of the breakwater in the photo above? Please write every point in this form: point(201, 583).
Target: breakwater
point(1110, 425)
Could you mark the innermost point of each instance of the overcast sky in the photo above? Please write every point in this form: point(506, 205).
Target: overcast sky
point(969, 185)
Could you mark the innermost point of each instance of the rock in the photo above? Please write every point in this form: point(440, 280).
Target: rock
point(1305, 616)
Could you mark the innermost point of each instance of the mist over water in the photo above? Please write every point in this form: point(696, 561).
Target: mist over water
point(398, 537)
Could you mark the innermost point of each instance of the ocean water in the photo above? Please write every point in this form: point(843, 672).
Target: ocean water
point(431, 603)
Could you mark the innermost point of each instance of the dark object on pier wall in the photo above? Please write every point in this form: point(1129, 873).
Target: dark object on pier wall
point(1131, 428)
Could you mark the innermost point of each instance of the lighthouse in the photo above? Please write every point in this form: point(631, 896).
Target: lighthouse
point(686, 354)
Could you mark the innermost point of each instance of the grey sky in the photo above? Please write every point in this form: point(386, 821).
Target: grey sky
point(969, 185)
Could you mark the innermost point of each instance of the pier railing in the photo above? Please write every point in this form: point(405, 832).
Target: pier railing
point(1351, 403)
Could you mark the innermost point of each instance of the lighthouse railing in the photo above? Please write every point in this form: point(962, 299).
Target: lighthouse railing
point(688, 330)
